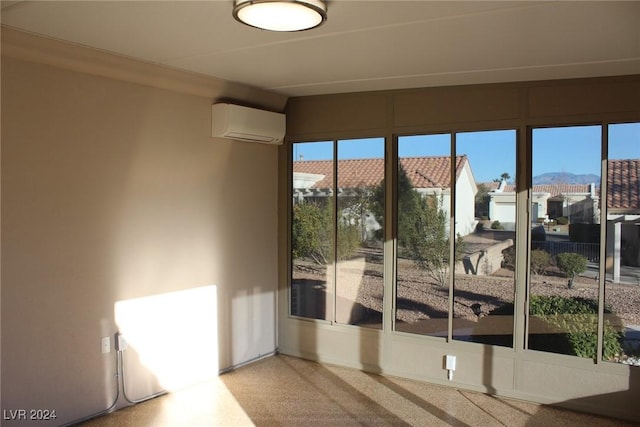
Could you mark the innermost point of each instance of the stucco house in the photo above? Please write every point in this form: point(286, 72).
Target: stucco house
point(623, 215)
point(581, 204)
point(578, 202)
point(427, 175)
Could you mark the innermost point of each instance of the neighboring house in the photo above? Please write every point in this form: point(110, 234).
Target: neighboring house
point(577, 202)
point(428, 175)
point(581, 204)
point(623, 215)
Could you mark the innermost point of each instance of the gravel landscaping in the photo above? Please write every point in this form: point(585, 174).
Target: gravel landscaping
point(419, 298)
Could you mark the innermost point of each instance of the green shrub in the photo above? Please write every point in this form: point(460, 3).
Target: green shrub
point(349, 240)
point(540, 261)
point(580, 329)
point(571, 264)
point(312, 234)
point(495, 225)
point(563, 220)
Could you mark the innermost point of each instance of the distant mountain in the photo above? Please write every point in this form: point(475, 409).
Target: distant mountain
point(565, 178)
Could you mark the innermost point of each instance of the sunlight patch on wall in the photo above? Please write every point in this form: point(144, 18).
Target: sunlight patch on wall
point(174, 334)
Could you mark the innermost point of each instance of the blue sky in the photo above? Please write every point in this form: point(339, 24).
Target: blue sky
point(492, 153)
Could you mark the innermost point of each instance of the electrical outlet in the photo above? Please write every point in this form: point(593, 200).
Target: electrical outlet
point(106, 345)
point(451, 363)
point(120, 342)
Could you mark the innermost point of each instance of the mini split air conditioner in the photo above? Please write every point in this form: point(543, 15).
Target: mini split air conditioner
point(247, 124)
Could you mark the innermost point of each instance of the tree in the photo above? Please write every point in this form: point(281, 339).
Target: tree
point(540, 261)
point(426, 237)
point(571, 265)
point(422, 228)
point(312, 232)
point(482, 201)
point(503, 177)
point(354, 206)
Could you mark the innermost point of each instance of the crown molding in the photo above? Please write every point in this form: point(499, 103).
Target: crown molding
point(34, 48)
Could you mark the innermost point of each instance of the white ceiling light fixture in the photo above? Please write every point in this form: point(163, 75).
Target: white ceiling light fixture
point(281, 15)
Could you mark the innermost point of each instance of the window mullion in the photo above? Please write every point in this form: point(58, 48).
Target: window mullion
point(523, 213)
point(334, 209)
point(452, 234)
point(603, 239)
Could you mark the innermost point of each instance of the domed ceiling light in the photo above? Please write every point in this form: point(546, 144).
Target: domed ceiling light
point(281, 15)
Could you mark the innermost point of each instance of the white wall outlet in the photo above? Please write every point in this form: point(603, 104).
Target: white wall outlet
point(106, 345)
point(450, 365)
point(121, 343)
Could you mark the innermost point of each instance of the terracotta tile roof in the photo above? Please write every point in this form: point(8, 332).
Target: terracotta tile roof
point(623, 185)
point(423, 172)
point(493, 185)
point(558, 189)
point(553, 189)
point(431, 172)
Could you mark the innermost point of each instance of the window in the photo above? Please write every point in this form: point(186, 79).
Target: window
point(337, 242)
point(564, 256)
point(484, 285)
point(359, 271)
point(312, 230)
point(455, 245)
point(621, 338)
point(477, 246)
point(423, 224)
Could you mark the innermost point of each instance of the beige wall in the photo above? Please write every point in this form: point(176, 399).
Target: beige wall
point(113, 191)
point(582, 384)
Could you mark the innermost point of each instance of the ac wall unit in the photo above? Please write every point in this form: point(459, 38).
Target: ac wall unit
point(247, 124)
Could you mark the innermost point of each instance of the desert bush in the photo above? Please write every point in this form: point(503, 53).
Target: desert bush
point(495, 225)
point(571, 264)
point(583, 324)
point(427, 241)
point(312, 234)
point(349, 240)
point(580, 325)
point(422, 228)
point(540, 261)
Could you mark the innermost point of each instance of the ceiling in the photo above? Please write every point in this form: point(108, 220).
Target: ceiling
point(364, 45)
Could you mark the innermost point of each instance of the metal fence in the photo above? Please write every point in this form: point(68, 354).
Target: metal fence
point(590, 250)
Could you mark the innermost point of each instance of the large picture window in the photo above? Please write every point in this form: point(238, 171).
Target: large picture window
point(622, 255)
point(423, 242)
point(455, 221)
point(564, 245)
point(478, 249)
point(485, 224)
point(337, 231)
point(312, 230)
